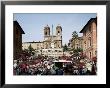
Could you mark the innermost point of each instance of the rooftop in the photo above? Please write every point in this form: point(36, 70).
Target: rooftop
point(89, 22)
point(16, 23)
point(33, 42)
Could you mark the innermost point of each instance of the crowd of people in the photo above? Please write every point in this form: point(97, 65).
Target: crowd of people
point(44, 65)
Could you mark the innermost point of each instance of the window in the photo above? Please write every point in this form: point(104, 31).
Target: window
point(90, 55)
point(55, 50)
point(60, 51)
point(58, 32)
point(85, 44)
point(90, 28)
point(95, 52)
point(89, 41)
point(45, 33)
point(77, 46)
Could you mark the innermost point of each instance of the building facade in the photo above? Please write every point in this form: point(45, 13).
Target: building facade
point(34, 45)
point(90, 38)
point(50, 38)
point(18, 31)
point(51, 45)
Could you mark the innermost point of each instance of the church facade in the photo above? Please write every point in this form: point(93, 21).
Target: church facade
point(50, 38)
point(51, 45)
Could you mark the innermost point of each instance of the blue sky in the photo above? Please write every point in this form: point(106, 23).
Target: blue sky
point(33, 24)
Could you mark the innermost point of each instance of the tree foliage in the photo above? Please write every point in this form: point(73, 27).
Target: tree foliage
point(30, 48)
point(76, 51)
point(74, 35)
point(65, 48)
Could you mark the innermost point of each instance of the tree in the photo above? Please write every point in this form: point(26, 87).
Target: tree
point(74, 35)
point(65, 48)
point(30, 49)
point(74, 38)
point(76, 53)
point(77, 50)
point(80, 49)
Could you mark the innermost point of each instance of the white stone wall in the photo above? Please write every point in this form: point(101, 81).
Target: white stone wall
point(35, 45)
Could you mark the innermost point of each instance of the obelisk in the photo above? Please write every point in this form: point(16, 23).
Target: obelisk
point(52, 41)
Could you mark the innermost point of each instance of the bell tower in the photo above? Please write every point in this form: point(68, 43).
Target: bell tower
point(46, 37)
point(47, 31)
point(59, 36)
point(59, 30)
